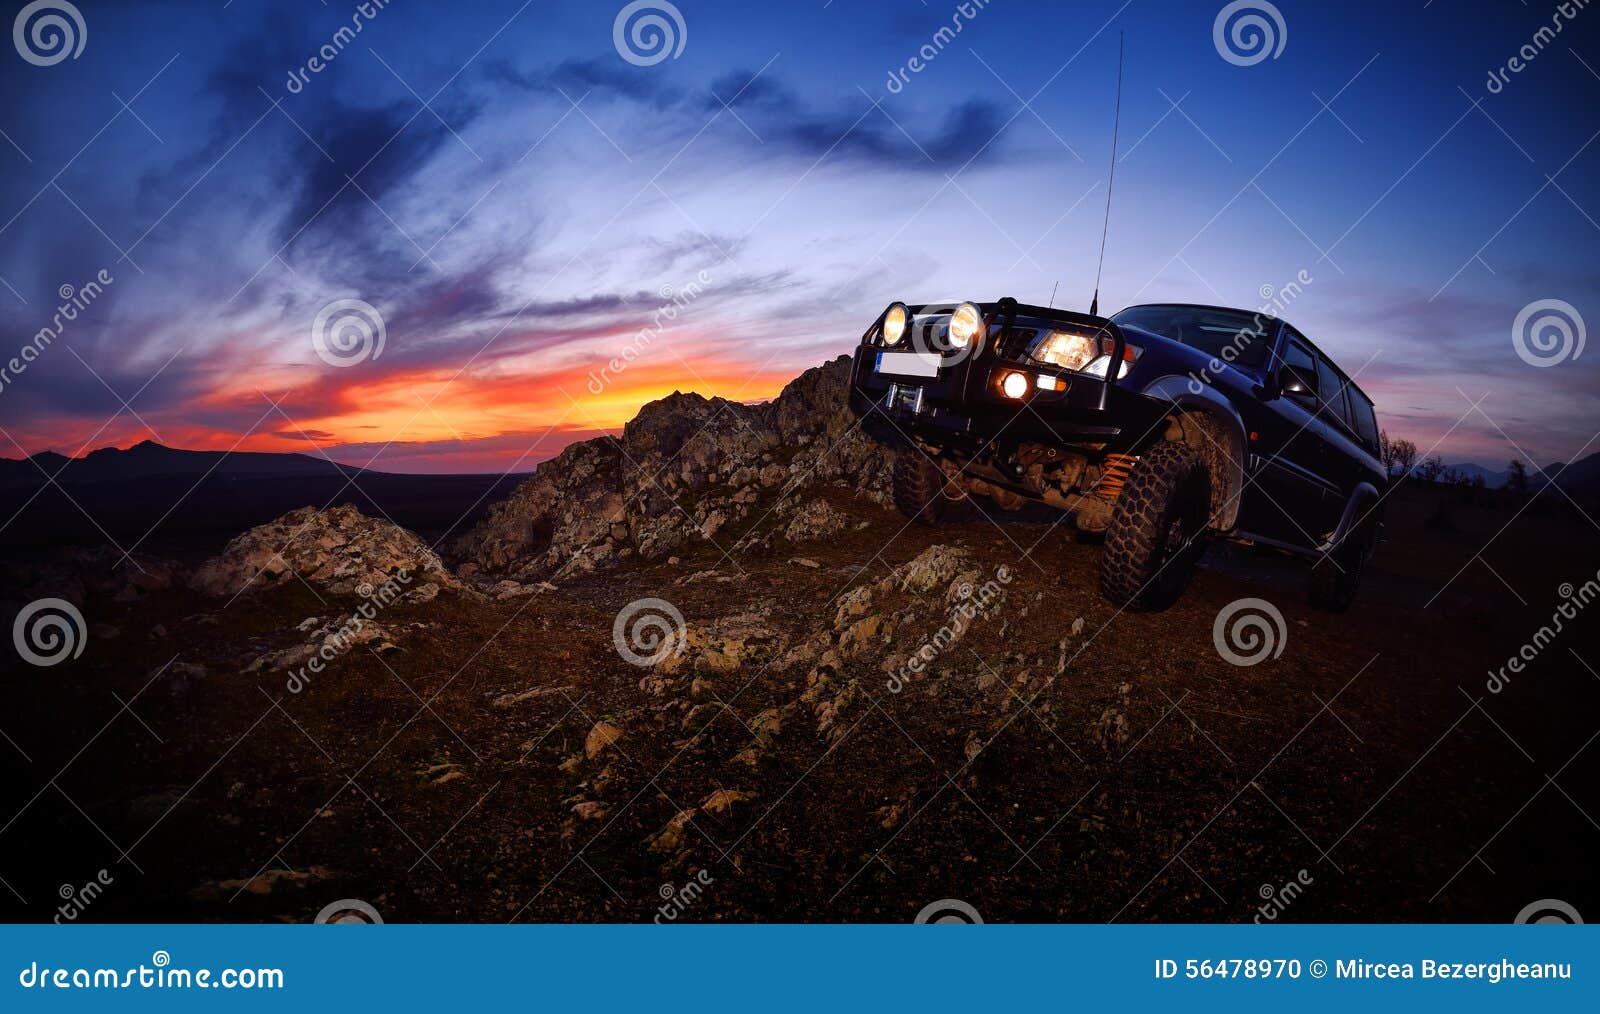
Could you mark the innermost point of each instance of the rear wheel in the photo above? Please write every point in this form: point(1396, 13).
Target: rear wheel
point(922, 491)
point(1158, 527)
point(1336, 576)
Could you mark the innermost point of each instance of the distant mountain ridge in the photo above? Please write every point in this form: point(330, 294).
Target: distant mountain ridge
point(1582, 476)
point(149, 460)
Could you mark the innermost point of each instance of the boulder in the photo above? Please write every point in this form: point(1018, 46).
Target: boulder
point(338, 550)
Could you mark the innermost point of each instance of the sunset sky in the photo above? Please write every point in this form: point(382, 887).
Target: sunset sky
point(519, 201)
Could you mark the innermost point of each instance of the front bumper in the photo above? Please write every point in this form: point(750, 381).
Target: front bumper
point(961, 406)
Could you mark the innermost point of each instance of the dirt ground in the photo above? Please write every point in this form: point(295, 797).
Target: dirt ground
point(1365, 773)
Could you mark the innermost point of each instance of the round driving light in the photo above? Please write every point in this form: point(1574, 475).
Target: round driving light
point(964, 325)
point(894, 324)
point(1014, 385)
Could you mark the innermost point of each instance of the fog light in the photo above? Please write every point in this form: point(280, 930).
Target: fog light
point(1014, 385)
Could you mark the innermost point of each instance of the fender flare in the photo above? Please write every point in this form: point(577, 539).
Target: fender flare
point(1186, 395)
point(1364, 496)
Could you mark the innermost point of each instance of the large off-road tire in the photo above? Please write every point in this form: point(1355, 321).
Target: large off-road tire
point(1336, 576)
point(920, 490)
point(1158, 529)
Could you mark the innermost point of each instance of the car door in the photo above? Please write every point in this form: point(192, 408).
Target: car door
point(1292, 494)
point(1343, 466)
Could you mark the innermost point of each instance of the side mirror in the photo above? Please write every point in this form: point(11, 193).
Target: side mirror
point(1297, 384)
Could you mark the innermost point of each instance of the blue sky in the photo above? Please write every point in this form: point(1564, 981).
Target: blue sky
point(535, 218)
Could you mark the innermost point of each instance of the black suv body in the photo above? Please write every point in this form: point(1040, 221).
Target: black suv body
point(1160, 427)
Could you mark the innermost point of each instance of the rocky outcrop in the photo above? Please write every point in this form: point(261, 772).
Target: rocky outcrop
point(78, 575)
point(687, 469)
point(338, 550)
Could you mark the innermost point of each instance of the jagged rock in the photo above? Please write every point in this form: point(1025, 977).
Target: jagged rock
point(601, 736)
point(666, 482)
point(339, 550)
point(818, 519)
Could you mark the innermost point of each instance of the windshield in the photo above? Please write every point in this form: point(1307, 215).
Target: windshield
point(1232, 336)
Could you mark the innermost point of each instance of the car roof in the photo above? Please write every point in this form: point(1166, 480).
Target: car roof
point(1267, 317)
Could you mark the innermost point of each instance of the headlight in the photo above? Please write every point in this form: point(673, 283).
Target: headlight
point(1102, 362)
point(894, 324)
point(965, 324)
point(1068, 351)
point(1083, 353)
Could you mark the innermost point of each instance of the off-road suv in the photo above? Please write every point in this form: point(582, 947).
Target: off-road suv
point(1159, 427)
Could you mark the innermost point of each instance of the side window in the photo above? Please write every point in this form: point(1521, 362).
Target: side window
point(1298, 377)
point(1366, 422)
point(1331, 391)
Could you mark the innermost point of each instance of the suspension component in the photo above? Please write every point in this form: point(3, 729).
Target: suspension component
point(1114, 474)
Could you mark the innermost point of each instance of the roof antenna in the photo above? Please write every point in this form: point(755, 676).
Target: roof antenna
point(1094, 304)
point(1053, 289)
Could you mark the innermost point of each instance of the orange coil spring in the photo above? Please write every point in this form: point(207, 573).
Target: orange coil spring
point(1115, 474)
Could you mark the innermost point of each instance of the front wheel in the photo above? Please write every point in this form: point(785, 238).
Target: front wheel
point(922, 493)
point(1158, 527)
